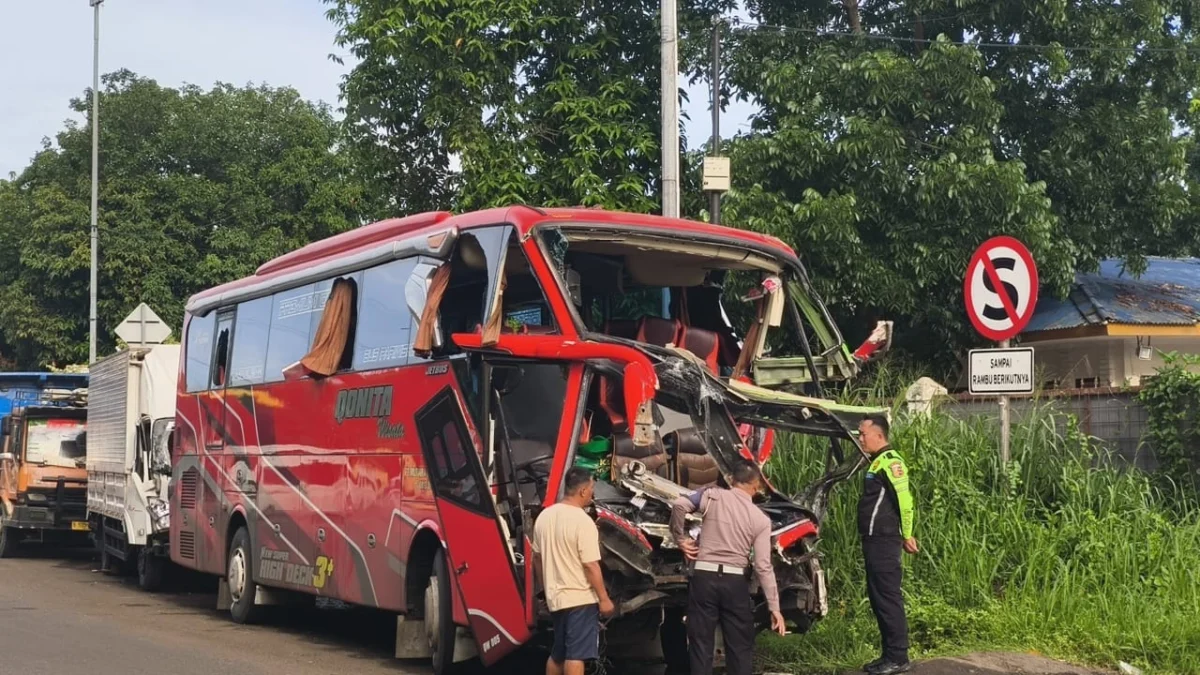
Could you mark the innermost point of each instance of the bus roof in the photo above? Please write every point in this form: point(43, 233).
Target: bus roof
point(524, 218)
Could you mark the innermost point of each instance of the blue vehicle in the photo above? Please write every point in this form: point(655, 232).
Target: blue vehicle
point(18, 390)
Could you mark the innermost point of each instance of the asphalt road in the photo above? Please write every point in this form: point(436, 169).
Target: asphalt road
point(59, 615)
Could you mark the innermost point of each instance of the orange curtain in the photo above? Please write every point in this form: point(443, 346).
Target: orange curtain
point(423, 345)
point(329, 344)
point(494, 321)
point(750, 341)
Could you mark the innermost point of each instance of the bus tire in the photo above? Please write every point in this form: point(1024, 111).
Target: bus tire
point(8, 542)
point(150, 570)
point(439, 617)
point(239, 575)
point(672, 637)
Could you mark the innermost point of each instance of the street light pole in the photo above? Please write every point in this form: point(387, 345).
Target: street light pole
point(95, 178)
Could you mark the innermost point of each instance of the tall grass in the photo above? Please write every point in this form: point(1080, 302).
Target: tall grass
point(1050, 554)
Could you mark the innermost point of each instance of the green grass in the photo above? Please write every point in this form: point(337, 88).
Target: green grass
point(1090, 565)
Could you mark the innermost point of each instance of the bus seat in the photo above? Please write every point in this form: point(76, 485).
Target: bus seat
point(653, 456)
point(704, 344)
point(694, 467)
point(622, 329)
point(656, 331)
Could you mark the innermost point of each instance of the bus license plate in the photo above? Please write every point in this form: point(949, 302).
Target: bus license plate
point(81, 526)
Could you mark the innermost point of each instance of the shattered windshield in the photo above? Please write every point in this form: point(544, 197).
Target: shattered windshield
point(54, 443)
point(723, 302)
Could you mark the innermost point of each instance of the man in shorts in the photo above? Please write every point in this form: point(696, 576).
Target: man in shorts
point(566, 546)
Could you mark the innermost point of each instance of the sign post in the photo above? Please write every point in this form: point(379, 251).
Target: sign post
point(1001, 289)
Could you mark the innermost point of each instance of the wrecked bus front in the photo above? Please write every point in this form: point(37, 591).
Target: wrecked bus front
point(694, 418)
point(43, 479)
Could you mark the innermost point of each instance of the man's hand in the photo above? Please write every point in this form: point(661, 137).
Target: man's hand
point(691, 550)
point(777, 624)
point(910, 546)
point(606, 607)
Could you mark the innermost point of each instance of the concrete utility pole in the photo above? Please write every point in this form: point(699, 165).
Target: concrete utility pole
point(714, 197)
point(670, 110)
point(95, 177)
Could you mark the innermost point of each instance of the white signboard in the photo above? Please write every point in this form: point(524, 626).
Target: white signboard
point(143, 327)
point(1001, 371)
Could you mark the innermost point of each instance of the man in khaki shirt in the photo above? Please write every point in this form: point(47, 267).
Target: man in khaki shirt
point(719, 592)
point(566, 547)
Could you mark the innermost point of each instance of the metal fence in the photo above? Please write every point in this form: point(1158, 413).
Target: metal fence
point(1113, 417)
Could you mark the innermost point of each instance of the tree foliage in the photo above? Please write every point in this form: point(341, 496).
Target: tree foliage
point(197, 188)
point(887, 160)
point(546, 103)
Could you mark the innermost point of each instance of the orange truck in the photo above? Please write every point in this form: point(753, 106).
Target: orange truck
point(43, 476)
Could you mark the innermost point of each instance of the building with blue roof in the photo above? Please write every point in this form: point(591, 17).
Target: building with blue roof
point(1112, 327)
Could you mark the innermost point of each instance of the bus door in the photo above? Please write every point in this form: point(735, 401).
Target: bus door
point(480, 558)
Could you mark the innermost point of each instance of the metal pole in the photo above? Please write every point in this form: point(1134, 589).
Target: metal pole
point(670, 110)
point(714, 197)
point(1004, 422)
point(95, 178)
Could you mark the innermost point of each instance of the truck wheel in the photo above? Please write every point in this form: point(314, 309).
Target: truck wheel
point(9, 541)
point(150, 570)
point(239, 575)
point(439, 617)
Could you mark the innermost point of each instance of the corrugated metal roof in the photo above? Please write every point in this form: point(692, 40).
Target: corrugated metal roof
point(1168, 294)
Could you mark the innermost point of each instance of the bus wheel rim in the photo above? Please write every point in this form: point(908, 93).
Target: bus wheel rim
point(432, 617)
point(237, 575)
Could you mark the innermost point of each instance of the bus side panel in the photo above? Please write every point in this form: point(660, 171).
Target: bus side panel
point(388, 495)
point(300, 472)
point(197, 494)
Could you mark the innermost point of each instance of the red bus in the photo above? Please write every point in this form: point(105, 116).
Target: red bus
point(379, 417)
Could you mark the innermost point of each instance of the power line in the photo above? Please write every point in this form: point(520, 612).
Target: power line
point(884, 37)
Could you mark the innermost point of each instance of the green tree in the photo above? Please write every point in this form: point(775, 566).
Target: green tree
point(547, 103)
point(197, 188)
point(886, 161)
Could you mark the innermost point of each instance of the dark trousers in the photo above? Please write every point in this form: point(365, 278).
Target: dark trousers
point(882, 555)
point(720, 599)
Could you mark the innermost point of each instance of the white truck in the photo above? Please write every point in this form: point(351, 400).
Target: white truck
point(130, 420)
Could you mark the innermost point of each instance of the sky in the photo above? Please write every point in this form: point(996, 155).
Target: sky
point(276, 42)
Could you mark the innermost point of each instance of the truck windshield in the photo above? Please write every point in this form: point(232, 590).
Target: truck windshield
point(54, 442)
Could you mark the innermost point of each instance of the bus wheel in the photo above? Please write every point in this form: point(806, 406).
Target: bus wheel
point(242, 588)
point(150, 569)
point(439, 617)
point(673, 638)
point(9, 542)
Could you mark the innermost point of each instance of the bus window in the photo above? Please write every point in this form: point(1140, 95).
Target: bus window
point(333, 333)
point(384, 321)
point(220, 360)
point(291, 325)
point(199, 351)
point(250, 343)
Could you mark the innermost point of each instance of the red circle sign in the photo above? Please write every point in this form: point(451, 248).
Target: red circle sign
point(1001, 288)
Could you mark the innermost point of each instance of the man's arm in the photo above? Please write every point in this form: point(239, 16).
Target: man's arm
point(897, 474)
point(764, 569)
point(679, 513)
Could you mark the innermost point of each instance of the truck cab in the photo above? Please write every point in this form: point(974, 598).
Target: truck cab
point(43, 476)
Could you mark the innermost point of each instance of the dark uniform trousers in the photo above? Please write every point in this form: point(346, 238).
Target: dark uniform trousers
point(882, 556)
point(724, 599)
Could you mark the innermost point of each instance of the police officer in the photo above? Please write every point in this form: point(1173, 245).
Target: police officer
point(885, 523)
point(732, 528)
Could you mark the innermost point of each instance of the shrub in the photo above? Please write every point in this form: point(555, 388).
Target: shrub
point(1051, 553)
